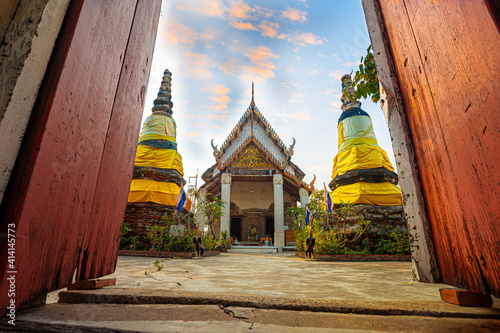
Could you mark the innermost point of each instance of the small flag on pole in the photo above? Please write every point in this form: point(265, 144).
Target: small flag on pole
point(328, 201)
point(181, 200)
point(308, 215)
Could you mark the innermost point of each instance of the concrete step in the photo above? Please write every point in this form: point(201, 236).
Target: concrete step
point(116, 295)
point(219, 318)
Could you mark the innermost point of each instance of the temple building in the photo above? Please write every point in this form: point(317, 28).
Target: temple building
point(255, 175)
point(158, 172)
point(362, 173)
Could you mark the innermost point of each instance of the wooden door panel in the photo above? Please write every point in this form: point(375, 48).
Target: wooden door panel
point(447, 57)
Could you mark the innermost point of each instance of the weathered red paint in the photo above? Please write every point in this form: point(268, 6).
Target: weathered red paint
point(69, 189)
point(447, 56)
point(110, 199)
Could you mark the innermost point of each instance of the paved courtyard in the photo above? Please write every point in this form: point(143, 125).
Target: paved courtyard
point(278, 275)
point(259, 293)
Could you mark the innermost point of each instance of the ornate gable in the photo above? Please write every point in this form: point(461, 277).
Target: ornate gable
point(253, 143)
point(251, 158)
point(253, 127)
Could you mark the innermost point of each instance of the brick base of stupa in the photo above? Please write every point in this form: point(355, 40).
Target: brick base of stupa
point(381, 217)
point(141, 215)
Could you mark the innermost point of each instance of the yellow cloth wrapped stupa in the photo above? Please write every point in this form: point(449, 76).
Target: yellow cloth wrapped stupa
point(362, 172)
point(158, 172)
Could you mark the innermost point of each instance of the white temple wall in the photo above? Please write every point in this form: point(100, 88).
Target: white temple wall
point(261, 197)
point(236, 143)
point(261, 135)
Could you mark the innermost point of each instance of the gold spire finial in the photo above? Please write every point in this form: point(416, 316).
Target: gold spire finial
point(252, 103)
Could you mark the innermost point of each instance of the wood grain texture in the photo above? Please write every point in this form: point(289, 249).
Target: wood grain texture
point(89, 92)
point(102, 237)
point(447, 55)
point(465, 298)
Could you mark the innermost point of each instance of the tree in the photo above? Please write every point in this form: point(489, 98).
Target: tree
point(331, 230)
point(365, 81)
point(211, 209)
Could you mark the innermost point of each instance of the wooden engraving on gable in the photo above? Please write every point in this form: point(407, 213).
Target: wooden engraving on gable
point(252, 158)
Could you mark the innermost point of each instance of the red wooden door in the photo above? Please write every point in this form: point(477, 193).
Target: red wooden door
point(447, 56)
point(69, 188)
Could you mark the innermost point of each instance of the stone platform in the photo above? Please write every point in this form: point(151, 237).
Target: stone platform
point(259, 249)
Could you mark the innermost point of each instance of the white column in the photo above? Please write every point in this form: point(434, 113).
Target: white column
point(304, 197)
point(279, 217)
point(225, 195)
point(200, 219)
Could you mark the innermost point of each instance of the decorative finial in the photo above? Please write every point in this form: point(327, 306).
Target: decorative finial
point(163, 103)
point(252, 103)
point(347, 104)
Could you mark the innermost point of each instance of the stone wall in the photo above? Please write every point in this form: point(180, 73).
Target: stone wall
point(141, 215)
point(380, 218)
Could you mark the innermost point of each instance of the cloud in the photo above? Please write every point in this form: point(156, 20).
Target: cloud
point(316, 167)
point(298, 95)
point(198, 64)
point(350, 64)
point(191, 115)
point(178, 33)
point(313, 72)
point(239, 9)
point(200, 124)
point(215, 126)
point(269, 29)
point(243, 25)
point(301, 116)
point(261, 66)
point(220, 96)
point(337, 74)
point(229, 66)
point(336, 104)
point(294, 100)
point(304, 39)
point(192, 135)
point(322, 55)
point(338, 95)
point(328, 91)
point(294, 14)
point(266, 12)
point(219, 116)
point(203, 7)
point(288, 85)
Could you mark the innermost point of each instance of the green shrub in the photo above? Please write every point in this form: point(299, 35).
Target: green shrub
point(393, 241)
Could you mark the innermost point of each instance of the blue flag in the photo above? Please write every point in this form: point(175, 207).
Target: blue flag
point(328, 200)
point(181, 199)
point(308, 215)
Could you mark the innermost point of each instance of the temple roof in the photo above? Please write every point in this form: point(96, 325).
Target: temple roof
point(251, 115)
point(253, 130)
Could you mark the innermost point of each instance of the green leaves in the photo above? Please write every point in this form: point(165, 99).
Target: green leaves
point(211, 209)
point(365, 82)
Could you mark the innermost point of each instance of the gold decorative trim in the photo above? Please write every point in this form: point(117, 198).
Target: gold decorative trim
point(251, 158)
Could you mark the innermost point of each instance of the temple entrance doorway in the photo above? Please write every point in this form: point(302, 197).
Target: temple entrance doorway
point(236, 228)
point(270, 227)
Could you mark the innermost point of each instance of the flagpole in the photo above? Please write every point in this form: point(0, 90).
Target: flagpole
point(326, 207)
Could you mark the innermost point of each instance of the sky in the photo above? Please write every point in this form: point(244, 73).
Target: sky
point(294, 51)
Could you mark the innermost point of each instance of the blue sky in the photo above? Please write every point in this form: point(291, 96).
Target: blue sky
point(294, 51)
